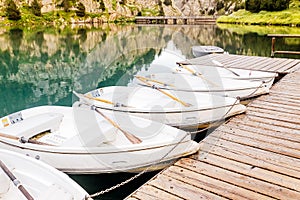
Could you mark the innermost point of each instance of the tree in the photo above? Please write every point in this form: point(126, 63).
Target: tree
point(12, 12)
point(102, 5)
point(36, 8)
point(80, 12)
point(66, 5)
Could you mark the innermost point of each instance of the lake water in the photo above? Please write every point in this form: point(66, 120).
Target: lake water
point(42, 66)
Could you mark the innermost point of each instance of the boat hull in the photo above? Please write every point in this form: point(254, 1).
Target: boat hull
point(152, 104)
point(91, 161)
point(40, 180)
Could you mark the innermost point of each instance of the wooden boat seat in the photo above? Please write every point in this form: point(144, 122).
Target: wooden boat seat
point(32, 126)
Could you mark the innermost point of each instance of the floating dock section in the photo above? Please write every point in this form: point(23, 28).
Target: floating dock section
point(279, 65)
point(255, 155)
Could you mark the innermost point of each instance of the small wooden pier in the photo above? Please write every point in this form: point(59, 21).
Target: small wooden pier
point(175, 20)
point(279, 65)
point(252, 156)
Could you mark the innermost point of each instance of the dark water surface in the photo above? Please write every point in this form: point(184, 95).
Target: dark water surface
point(42, 66)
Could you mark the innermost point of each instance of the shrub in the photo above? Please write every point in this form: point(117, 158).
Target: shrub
point(102, 5)
point(12, 12)
point(66, 5)
point(36, 8)
point(220, 5)
point(80, 12)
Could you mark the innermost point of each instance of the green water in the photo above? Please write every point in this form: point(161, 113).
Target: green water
point(42, 66)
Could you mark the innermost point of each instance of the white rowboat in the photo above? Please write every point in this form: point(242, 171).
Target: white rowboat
point(80, 140)
point(228, 87)
point(204, 50)
point(34, 179)
point(175, 108)
point(218, 70)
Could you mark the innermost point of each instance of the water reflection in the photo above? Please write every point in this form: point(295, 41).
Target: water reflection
point(43, 66)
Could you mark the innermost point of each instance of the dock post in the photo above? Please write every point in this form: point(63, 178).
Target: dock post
point(185, 21)
point(273, 47)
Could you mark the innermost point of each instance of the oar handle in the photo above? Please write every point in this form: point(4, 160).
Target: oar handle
point(99, 99)
point(16, 182)
point(23, 139)
point(132, 138)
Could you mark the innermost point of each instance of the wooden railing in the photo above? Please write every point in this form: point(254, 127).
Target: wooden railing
point(273, 51)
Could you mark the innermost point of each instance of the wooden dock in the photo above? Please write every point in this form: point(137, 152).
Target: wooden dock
point(252, 156)
point(175, 20)
point(279, 65)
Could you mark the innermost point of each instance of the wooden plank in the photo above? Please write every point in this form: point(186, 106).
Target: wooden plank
point(276, 107)
point(278, 124)
point(282, 162)
point(271, 125)
point(263, 63)
point(240, 180)
point(282, 116)
point(253, 157)
point(260, 137)
point(247, 141)
point(280, 65)
point(236, 59)
point(150, 192)
point(244, 62)
point(269, 114)
point(294, 102)
point(284, 67)
point(287, 88)
point(255, 128)
point(181, 189)
point(294, 68)
point(264, 152)
point(281, 95)
point(254, 172)
point(142, 196)
point(212, 185)
point(280, 62)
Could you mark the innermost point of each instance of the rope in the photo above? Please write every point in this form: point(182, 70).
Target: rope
point(223, 117)
point(256, 89)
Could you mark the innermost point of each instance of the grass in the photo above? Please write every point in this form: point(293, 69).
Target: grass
point(289, 17)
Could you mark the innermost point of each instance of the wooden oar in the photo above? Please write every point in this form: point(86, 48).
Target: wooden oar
point(23, 139)
point(98, 99)
point(165, 93)
point(132, 138)
point(16, 182)
point(221, 65)
point(154, 81)
point(197, 74)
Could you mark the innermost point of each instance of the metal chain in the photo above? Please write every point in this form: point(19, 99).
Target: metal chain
point(116, 186)
point(135, 176)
